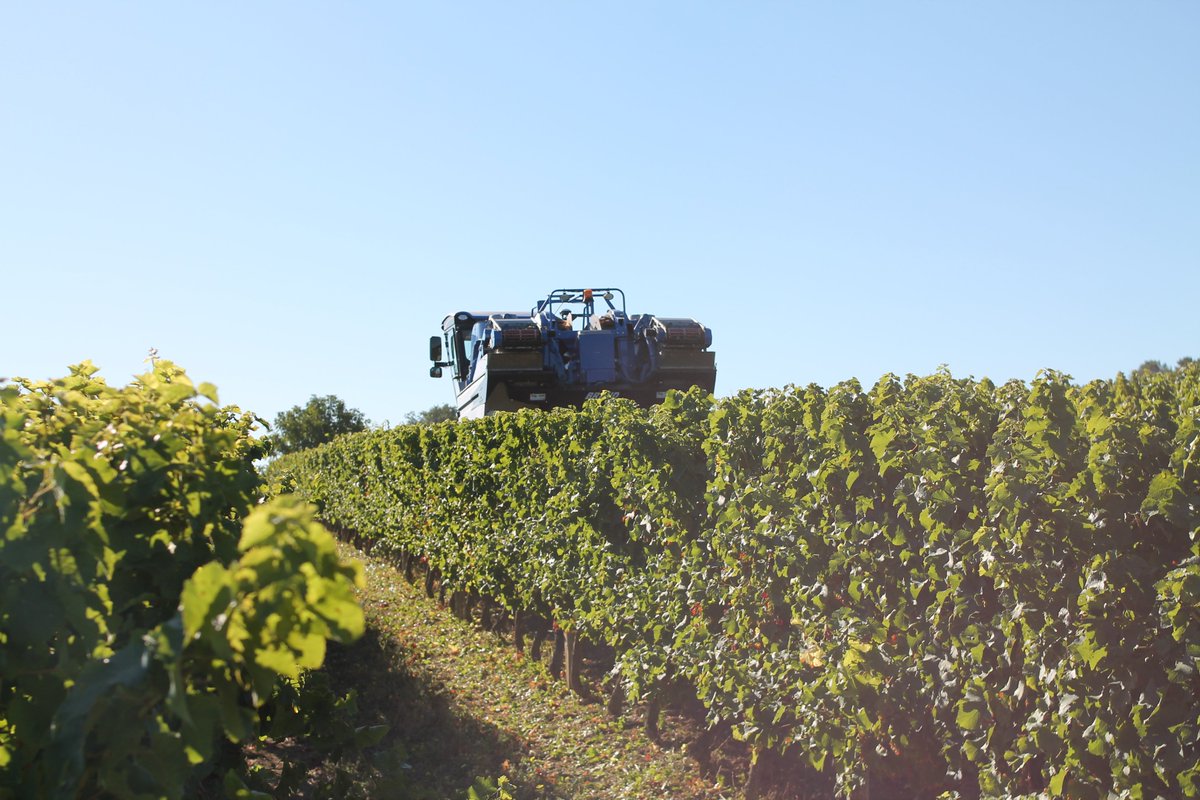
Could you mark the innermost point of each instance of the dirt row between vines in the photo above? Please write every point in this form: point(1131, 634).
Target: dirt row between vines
point(463, 704)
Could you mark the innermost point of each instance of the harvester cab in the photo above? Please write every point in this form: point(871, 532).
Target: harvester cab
point(565, 350)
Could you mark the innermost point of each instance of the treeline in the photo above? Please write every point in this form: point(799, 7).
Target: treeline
point(938, 585)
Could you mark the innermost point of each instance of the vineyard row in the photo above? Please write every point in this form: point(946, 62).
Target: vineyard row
point(939, 584)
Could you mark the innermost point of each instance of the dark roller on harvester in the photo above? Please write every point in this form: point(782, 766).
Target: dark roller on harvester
point(565, 351)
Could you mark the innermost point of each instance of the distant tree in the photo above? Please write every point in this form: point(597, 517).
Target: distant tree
point(1152, 367)
point(316, 423)
point(431, 415)
point(1186, 361)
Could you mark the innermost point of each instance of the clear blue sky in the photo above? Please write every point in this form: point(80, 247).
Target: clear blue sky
point(286, 198)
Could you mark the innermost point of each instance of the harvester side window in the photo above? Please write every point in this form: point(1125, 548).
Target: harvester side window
point(473, 353)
